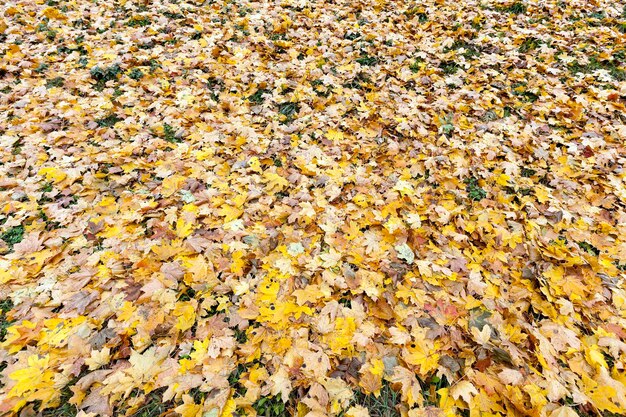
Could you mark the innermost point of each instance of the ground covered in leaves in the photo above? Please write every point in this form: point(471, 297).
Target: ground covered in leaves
point(317, 208)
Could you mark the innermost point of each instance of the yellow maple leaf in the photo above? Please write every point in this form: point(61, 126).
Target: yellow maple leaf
point(183, 228)
point(238, 262)
point(53, 174)
point(34, 382)
point(417, 354)
point(275, 183)
point(255, 164)
point(98, 358)
point(334, 135)
point(229, 213)
point(341, 337)
point(171, 185)
point(229, 408)
point(189, 408)
point(186, 315)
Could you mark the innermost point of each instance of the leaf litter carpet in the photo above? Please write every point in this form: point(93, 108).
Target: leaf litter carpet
point(231, 208)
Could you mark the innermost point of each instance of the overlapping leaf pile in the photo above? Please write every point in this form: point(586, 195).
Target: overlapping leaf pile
point(218, 203)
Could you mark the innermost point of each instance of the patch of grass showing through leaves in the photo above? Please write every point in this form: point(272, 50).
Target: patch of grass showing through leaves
point(108, 121)
point(469, 50)
point(136, 74)
point(594, 64)
point(138, 22)
point(449, 67)
point(170, 134)
point(514, 8)
point(287, 111)
point(383, 405)
point(55, 82)
point(529, 44)
point(270, 406)
point(103, 75)
point(5, 306)
point(474, 192)
point(152, 407)
point(13, 235)
point(589, 248)
point(367, 60)
point(257, 97)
